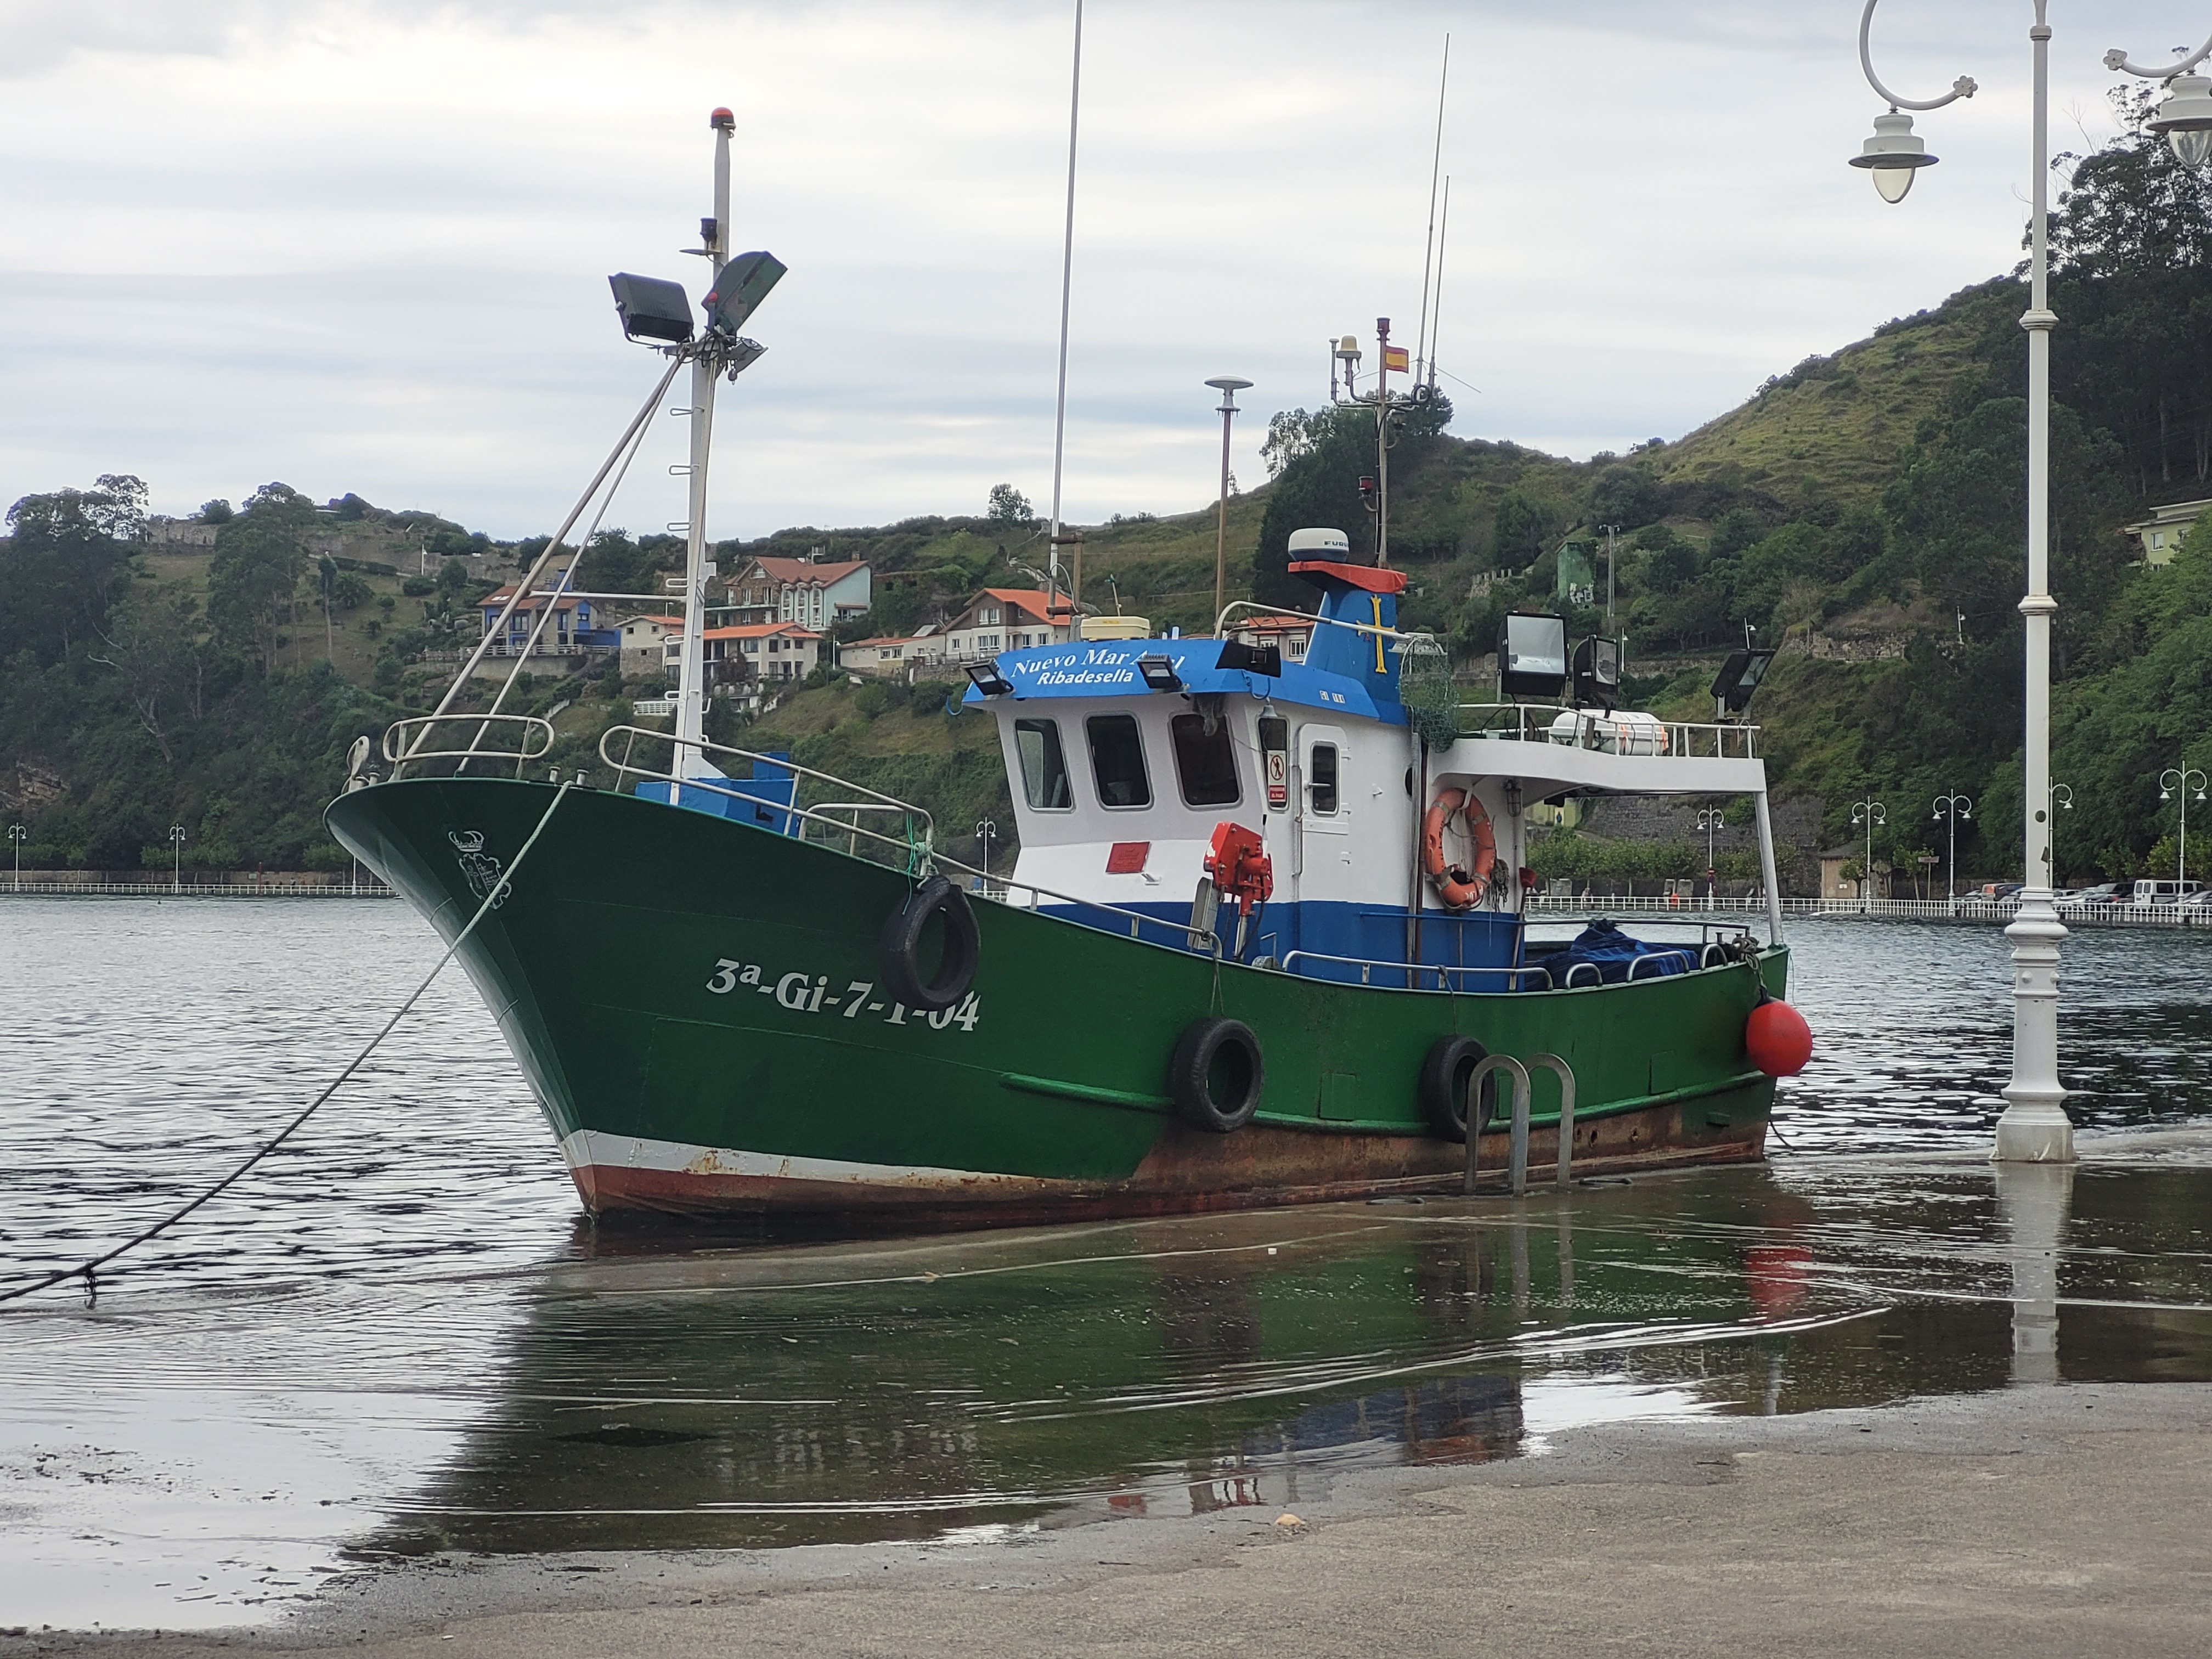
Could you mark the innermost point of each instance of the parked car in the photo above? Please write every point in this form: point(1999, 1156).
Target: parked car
point(2086, 898)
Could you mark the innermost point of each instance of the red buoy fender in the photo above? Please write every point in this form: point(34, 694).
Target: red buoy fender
point(1777, 1039)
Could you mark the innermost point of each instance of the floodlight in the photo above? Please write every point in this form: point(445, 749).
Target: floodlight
point(1251, 658)
point(1532, 656)
point(1597, 671)
point(1159, 674)
point(651, 309)
point(737, 291)
point(742, 354)
point(1739, 678)
point(987, 679)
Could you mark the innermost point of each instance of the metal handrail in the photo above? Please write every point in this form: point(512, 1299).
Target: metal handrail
point(1682, 956)
point(623, 768)
point(1532, 722)
point(401, 758)
point(1008, 885)
point(1408, 968)
point(927, 860)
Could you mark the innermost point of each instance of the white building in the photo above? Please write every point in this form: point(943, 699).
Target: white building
point(644, 640)
point(803, 591)
point(2161, 533)
point(1007, 619)
point(1291, 634)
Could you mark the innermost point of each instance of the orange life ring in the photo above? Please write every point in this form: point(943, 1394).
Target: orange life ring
point(1460, 889)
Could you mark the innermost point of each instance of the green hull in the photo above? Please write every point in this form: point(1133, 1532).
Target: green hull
point(697, 1005)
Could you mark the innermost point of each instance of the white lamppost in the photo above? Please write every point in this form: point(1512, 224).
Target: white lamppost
point(2184, 779)
point(1228, 386)
point(2033, 1126)
point(1711, 818)
point(1873, 814)
point(176, 858)
point(1949, 809)
point(17, 834)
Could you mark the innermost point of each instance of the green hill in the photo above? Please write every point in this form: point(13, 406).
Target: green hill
point(1863, 512)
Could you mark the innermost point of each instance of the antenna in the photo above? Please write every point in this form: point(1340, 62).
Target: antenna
point(1437, 322)
point(1421, 342)
point(1066, 282)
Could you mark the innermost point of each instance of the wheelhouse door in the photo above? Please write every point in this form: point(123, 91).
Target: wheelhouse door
point(1322, 810)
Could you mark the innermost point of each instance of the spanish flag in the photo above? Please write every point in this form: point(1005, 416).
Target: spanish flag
point(1398, 358)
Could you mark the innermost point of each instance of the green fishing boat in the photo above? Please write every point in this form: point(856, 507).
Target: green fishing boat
point(1267, 939)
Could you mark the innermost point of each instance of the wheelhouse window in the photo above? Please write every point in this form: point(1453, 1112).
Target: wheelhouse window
point(1117, 760)
point(1322, 785)
point(1044, 768)
point(1206, 764)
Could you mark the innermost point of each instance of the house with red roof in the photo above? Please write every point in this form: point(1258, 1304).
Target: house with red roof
point(1008, 619)
point(743, 659)
point(570, 632)
point(810, 592)
point(1291, 634)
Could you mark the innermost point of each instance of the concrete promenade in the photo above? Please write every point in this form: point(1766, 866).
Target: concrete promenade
point(2031, 1520)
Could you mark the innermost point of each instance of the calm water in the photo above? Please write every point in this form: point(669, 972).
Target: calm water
point(396, 1336)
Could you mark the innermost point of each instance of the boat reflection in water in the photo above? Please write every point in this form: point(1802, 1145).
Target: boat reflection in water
point(656, 1394)
point(659, 1395)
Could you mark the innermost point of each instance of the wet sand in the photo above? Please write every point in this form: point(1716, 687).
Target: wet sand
point(2033, 1520)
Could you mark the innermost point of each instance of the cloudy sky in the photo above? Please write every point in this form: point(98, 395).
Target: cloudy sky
point(362, 246)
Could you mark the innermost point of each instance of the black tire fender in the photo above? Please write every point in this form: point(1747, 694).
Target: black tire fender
point(899, 957)
point(1216, 1074)
point(1444, 1072)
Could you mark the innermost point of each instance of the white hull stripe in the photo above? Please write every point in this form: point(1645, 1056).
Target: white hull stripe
point(592, 1148)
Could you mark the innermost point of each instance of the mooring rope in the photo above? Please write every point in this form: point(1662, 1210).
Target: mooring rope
point(87, 1270)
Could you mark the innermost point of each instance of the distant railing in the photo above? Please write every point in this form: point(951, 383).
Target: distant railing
point(38, 886)
point(1974, 909)
point(1534, 722)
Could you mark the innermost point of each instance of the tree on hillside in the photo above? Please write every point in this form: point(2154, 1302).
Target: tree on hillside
point(1625, 495)
point(259, 558)
point(1318, 489)
point(1520, 526)
point(68, 561)
point(1009, 506)
point(2131, 207)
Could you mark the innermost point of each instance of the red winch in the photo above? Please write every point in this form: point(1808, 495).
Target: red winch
point(1237, 864)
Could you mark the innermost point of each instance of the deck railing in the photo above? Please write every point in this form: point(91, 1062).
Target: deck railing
point(1534, 722)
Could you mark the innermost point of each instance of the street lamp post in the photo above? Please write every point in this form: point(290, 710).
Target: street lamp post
point(1949, 809)
point(176, 858)
point(1873, 814)
point(1228, 386)
point(2182, 778)
point(2034, 1128)
point(1711, 818)
point(17, 834)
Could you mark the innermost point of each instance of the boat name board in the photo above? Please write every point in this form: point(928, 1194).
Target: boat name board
point(805, 993)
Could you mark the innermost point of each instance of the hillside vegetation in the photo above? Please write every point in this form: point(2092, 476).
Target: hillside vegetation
point(1863, 512)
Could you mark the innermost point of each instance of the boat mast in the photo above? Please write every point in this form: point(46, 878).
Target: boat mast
point(1423, 346)
point(1066, 288)
point(706, 369)
point(1437, 315)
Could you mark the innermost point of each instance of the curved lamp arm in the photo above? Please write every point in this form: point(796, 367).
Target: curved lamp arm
point(1964, 87)
point(2117, 58)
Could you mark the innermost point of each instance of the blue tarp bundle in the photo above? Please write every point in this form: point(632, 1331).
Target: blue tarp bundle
point(1613, 953)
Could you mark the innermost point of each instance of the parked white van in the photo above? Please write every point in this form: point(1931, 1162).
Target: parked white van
point(2164, 892)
